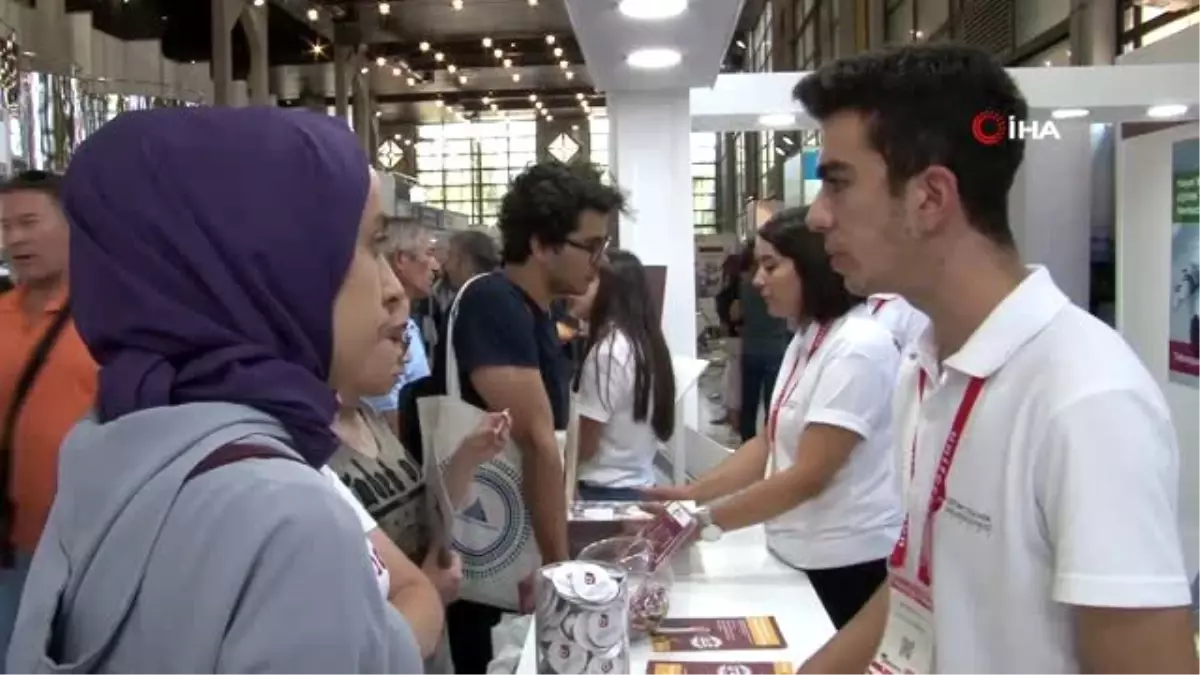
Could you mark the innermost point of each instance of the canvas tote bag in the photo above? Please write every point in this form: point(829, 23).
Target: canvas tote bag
point(493, 531)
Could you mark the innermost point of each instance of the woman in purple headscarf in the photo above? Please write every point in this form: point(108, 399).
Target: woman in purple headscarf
point(225, 278)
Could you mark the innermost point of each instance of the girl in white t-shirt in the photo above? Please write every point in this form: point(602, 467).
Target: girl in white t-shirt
point(820, 475)
point(626, 387)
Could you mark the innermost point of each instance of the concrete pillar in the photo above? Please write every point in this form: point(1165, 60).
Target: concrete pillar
point(1094, 33)
point(847, 27)
point(1050, 207)
point(224, 16)
point(254, 22)
point(53, 50)
point(876, 24)
point(364, 113)
point(341, 82)
point(650, 157)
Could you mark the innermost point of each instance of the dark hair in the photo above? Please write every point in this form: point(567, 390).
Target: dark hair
point(823, 291)
point(478, 247)
point(623, 303)
point(545, 201)
point(46, 182)
point(920, 103)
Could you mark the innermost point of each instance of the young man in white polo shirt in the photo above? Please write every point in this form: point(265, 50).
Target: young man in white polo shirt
point(1040, 532)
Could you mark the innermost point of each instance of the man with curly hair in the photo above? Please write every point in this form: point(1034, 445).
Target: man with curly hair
point(554, 227)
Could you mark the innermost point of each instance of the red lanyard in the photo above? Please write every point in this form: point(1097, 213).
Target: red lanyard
point(937, 497)
point(793, 381)
point(878, 305)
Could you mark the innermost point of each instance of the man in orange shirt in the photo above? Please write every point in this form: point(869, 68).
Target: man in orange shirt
point(47, 376)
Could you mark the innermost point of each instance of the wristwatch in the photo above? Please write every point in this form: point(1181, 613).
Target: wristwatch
point(709, 530)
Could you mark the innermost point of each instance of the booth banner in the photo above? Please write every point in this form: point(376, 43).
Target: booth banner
point(1184, 332)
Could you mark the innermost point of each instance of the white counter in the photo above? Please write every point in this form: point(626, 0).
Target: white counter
point(735, 577)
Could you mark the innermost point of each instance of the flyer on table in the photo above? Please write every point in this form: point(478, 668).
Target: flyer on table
point(1183, 346)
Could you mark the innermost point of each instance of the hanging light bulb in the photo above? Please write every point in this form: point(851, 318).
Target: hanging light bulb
point(579, 96)
point(485, 100)
point(533, 98)
point(558, 52)
point(487, 42)
point(424, 46)
point(385, 8)
point(570, 75)
point(259, 3)
point(439, 57)
point(549, 118)
point(364, 70)
point(507, 63)
point(498, 53)
point(380, 61)
point(549, 39)
point(516, 77)
point(533, 3)
point(451, 68)
point(462, 79)
point(564, 64)
point(396, 72)
point(312, 14)
point(456, 5)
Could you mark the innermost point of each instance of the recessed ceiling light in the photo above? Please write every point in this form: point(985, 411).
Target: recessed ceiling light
point(385, 8)
point(570, 75)
point(313, 14)
point(777, 120)
point(396, 72)
point(487, 42)
point(516, 77)
point(654, 58)
point(380, 61)
point(649, 10)
point(1069, 113)
point(1168, 110)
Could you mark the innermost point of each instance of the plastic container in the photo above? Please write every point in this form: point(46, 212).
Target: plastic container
point(649, 589)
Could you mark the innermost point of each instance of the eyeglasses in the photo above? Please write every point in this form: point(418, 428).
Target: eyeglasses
point(594, 249)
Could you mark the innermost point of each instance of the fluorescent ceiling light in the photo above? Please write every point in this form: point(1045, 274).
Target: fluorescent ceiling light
point(650, 10)
point(777, 120)
point(1168, 110)
point(654, 58)
point(1069, 113)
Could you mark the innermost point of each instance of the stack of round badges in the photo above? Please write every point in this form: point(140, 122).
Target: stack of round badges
point(582, 619)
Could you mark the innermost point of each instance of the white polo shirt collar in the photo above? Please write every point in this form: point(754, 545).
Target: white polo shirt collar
point(1027, 311)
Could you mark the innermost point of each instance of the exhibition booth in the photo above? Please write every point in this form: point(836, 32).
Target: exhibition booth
point(1056, 204)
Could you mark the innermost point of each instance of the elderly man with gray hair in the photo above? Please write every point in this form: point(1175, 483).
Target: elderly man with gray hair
point(408, 248)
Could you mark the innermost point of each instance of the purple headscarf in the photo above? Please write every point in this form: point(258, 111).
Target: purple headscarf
point(207, 247)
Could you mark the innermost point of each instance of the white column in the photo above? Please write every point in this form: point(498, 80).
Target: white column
point(1049, 207)
point(650, 158)
point(53, 36)
point(224, 16)
point(254, 20)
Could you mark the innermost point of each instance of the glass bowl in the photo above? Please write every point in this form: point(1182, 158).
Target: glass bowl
point(649, 589)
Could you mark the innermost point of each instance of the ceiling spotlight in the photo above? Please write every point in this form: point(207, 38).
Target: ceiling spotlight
point(508, 63)
point(516, 77)
point(558, 52)
point(533, 3)
point(411, 81)
point(649, 10)
point(537, 104)
point(396, 71)
point(780, 152)
point(570, 75)
point(312, 14)
point(378, 113)
point(318, 49)
point(777, 120)
point(654, 58)
point(487, 42)
point(259, 3)
point(549, 39)
point(498, 53)
point(451, 68)
point(564, 64)
point(385, 8)
point(579, 96)
point(364, 70)
point(532, 98)
point(380, 61)
point(439, 57)
point(549, 118)
point(424, 46)
point(485, 100)
point(1069, 113)
point(456, 5)
point(1168, 110)
point(462, 79)
point(740, 44)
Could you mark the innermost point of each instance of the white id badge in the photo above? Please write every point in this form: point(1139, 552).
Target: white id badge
point(907, 645)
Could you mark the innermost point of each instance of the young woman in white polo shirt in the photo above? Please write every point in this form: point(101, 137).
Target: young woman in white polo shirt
point(626, 387)
point(820, 475)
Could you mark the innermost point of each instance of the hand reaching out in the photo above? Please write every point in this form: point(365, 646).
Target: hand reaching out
point(489, 438)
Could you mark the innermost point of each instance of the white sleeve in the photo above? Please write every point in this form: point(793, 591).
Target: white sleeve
point(606, 378)
point(364, 517)
point(854, 391)
point(1108, 497)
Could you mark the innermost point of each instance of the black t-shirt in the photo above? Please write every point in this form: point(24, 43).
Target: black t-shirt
point(499, 325)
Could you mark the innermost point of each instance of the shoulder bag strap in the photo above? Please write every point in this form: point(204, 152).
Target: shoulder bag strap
point(453, 384)
point(236, 452)
point(33, 365)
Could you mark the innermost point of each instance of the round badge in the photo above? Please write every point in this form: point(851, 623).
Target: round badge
point(604, 629)
point(564, 657)
point(562, 578)
point(495, 527)
point(594, 584)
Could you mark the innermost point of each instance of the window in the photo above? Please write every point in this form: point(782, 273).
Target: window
point(760, 42)
point(704, 182)
point(465, 167)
